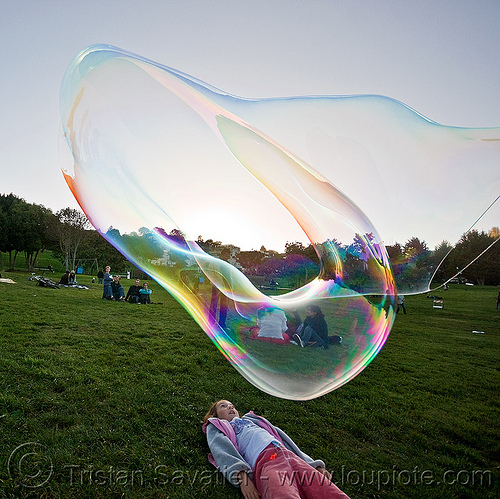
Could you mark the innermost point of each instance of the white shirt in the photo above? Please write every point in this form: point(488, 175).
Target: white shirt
point(272, 324)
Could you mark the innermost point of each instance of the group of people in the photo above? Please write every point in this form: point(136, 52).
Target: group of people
point(139, 294)
point(113, 289)
point(273, 327)
point(68, 279)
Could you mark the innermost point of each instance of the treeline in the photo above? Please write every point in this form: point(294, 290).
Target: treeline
point(28, 229)
point(412, 261)
point(484, 271)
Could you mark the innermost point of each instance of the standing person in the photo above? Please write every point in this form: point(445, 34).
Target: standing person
point(222, 300)
point(401, 303)
point(100, 276)
point(106, 281)
point(498, 302)
point(145, 294)
point(262, 459)
point(133, 293)
point(313, 329)
point(219, 298)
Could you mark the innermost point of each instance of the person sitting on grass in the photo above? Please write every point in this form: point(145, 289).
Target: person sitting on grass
point(133, 293)
point(314, 329)
point(65, 279)
point(271, 326)
point(117, 291)
point(145, 294)
point(262, 459)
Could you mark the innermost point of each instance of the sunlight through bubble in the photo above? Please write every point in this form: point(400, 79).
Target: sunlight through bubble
point(204, 191)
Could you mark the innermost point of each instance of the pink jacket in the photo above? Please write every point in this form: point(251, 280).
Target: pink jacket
point(222, 442)
point(225, 427)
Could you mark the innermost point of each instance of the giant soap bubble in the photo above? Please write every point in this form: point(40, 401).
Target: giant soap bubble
point(161, 158)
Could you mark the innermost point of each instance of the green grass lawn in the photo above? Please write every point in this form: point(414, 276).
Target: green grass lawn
point(107, 398)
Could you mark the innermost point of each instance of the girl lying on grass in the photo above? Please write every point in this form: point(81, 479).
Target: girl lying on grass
point(262, 459)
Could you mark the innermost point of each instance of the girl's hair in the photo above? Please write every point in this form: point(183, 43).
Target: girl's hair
point(317, 311)
point(212, 412)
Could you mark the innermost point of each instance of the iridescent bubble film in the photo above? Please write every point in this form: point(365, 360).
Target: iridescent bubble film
point(254, 214)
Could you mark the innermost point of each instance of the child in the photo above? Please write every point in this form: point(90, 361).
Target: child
point(107, 293)
point(145, 294)
point(262, 459)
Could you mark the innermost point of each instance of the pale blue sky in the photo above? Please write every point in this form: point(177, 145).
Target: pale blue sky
point(441, 58)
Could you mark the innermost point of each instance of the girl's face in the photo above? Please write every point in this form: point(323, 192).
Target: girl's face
point(226, 410)
point(310, 313)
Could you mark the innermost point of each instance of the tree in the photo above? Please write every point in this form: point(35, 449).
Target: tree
point(95, 246)
point(250, 261)
point(9, 242)
point(71, 231)
point(23, 228)
point(494, 232)
point(396, 253)
point(486, 269)
point(35, 236)
point(297, 248)
point(3, 234)
point(209, 246)
point(442, 263)
point(299, 269)
point(414, 248)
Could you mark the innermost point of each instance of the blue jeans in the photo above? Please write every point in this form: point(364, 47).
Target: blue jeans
point(106, 292)
point(308, 334)
point(120, 294)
